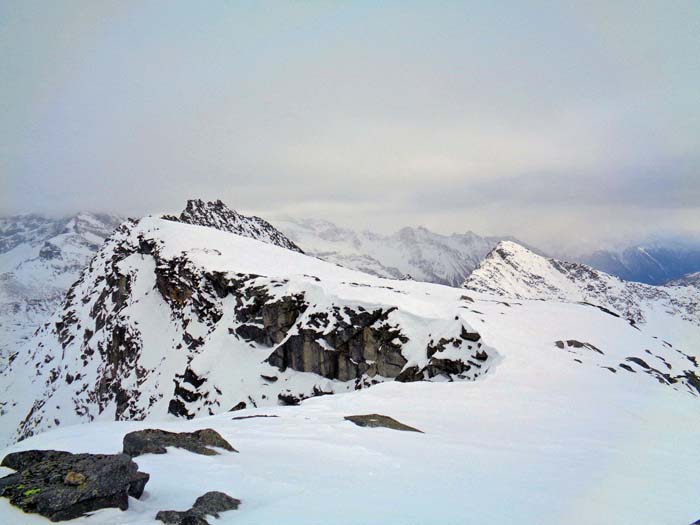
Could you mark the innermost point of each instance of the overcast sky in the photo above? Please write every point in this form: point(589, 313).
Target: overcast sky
point(563, 123)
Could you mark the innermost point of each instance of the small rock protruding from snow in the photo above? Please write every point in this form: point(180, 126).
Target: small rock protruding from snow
point(209, 504)
point(380, 421)
point(155, 441)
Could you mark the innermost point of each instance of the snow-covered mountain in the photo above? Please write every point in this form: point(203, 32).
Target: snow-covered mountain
point(513, 271)
point(189, 320)
point(40, 257)
point(567, 413)
point(180, 319)
point(415, 253)
point(652, 263)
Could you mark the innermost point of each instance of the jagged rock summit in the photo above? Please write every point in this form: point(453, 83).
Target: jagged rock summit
point(215, 214)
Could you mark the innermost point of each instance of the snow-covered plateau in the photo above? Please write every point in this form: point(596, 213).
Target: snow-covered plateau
point(562, 409)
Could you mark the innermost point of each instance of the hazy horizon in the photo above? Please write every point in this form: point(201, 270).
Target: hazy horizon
point(567, 125)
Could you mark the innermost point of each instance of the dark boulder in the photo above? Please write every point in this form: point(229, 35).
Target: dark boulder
point(378, 420)
point(211, 503)
point(61, 486)
point(155, 441)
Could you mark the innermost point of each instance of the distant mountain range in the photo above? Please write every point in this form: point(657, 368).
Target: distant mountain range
point(40, 257)
point(653, 263)
point(410, 253)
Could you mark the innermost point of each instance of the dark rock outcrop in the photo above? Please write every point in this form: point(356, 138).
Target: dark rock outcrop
point(61, 486)
point(155, 441)
point(378, 420)
point(211, 503)
point(215, 214)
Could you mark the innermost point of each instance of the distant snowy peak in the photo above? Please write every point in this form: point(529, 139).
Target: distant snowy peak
point(513, 271)
point(215, 214)
point(416, 252)
point(34, 230)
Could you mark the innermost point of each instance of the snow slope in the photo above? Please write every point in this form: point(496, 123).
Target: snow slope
point(513, 271)
point(416, 252)
point(40, 257)
point(547, 437)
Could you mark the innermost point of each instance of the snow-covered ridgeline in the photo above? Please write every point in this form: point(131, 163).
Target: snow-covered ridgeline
point(513, 271)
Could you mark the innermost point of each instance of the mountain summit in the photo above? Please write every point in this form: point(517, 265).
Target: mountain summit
point(215, 214)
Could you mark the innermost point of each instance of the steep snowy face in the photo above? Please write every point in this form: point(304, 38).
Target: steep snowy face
point(216, 214)
point(415, 253)
point(173, 318)
point(513, 271)
point(40, 258)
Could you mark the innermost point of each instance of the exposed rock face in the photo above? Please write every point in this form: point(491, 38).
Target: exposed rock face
point(362, 343)
point(155, 441)
point(380, 421)
point(210, 503)
point(62, 486)
point(217, 215)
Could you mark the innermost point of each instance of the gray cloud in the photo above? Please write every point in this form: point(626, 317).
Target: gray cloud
point(534, 120)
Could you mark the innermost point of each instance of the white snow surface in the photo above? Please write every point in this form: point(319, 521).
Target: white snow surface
point(541, 440)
